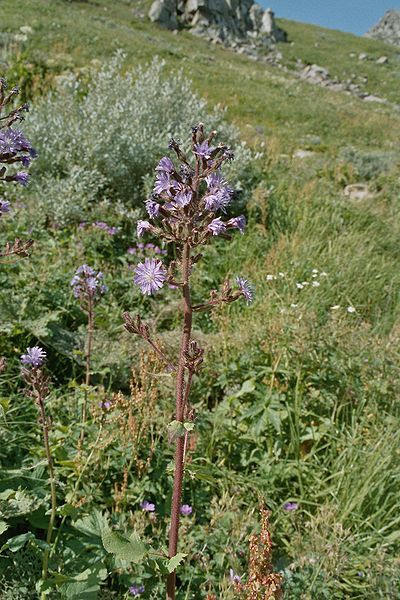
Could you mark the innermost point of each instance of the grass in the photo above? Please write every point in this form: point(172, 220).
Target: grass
point(298, 397)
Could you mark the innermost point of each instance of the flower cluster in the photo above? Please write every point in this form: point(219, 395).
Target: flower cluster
point(15, 148)
point(184, 207)
point(87, 284)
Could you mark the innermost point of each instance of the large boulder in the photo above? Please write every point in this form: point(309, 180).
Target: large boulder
point(387, 29)
point(230, 22)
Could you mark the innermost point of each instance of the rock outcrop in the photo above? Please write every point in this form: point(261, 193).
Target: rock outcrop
point(235, 23)
point(388, 28)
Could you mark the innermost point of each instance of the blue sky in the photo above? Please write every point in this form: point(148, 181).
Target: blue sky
point(356, 16)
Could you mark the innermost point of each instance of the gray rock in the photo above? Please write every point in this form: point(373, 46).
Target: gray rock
point(387, 29)
point(231, 22)
point(382, 60)
point(358, 191)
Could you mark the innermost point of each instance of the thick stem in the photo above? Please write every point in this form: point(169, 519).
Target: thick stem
point(180, 409)
point(89, 341)
point(45, 427)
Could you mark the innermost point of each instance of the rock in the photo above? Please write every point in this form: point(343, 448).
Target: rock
point(372, 98)
point(363, 56)
point(387, 29)
point(164, 13)
point(382, 60)
point(303, 153)
point(230, 22)
point(315, 74)
point(358, 191)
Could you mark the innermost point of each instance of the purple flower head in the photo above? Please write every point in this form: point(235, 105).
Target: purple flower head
point(147, 506)
point(106, 228)
point(21, 177)
point(105, 405)
point(246, 289)
point(183, 198)
point(136, 589)
point(216, 226)
point(142, 227)
point(26, 161)
point(219, 193)
point(233, 577)
point(34, 357)
point(163, 183)
point(203, 150)
point(290, 506)
point(186, 510)
point(4, 207)
point(87, 283)
point(238, 223)
point(153, 208)
point(131, 250)
point(13, 141)
point(165, 165)
point(150, 276)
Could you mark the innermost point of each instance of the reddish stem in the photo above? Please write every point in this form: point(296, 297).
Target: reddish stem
point(181, 398)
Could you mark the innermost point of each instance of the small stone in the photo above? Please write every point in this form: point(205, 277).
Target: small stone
point(358, 191)
point(363, 56)
point(382, 60)
point(303, 154)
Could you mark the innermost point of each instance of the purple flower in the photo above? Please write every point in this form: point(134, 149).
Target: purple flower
point(219, 194)
point(233, 577)
point(150, 276)
point(216, 226)
point(246, 289)
point(238, 223)
point(131, 250)
point(183, 198)
point(13, 141)
point(21, 177)
point(87, 283)
point(186, 510)
point(106, 405)
point(163, 183)
point(290, 506)
point(147, 506)
point(104, 227)
point(4, 207)
point(203, 150)
point(153, 208)
point(34, 357)
point(142, 227)
point(136, 590)
point(165, 165)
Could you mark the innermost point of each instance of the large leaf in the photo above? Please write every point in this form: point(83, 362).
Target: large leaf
point(131, 549)
point(86, 585)
point(175, 561)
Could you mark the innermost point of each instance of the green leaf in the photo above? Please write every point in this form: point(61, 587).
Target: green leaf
point(248, 387)
point(131, 549)
point(86, 585)
point(189, 426)
point(3, 527)
point(176, 429)
point(16, 543)
point(275, 419)
point(175, 561)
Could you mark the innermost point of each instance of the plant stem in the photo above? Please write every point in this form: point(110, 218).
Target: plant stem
point(181, 398)
point(45, 427)
point(89, 341)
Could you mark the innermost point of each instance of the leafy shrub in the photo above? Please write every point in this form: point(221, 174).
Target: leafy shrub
point(368, 165)
point(101, 139)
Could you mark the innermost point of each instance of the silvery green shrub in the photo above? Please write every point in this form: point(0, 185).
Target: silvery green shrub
point(101, 140)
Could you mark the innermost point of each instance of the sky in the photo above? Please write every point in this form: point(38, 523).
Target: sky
point(355, 16)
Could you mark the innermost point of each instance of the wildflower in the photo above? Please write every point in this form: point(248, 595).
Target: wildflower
point(152, 208)
point(186, 510)
point(203, 150)
point(165, 165)
point(21, 177)
point(216, 226)
point(335, 307)
point(293, 305)
point(4, 207)
point(282, 275)
point(147, 506)
point(238, 223)
point(142, 227)
point(270, 277)
point(183, 198)
point(34, 357)
point(219, 194)
point(246, 289)
point(233, 577)
point(150, 276)
point(106, 405)
point(315, 284)
point(299, 286)
point(163, 183)
point(136, 590)
point(131, 250)
point(290, 506)
point(88, 283)
point(351, 309)
point(104, 227)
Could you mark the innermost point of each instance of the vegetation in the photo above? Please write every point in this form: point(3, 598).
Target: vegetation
point(296, 403)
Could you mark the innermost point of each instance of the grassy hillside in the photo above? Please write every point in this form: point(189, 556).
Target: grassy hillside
point(298, 398)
